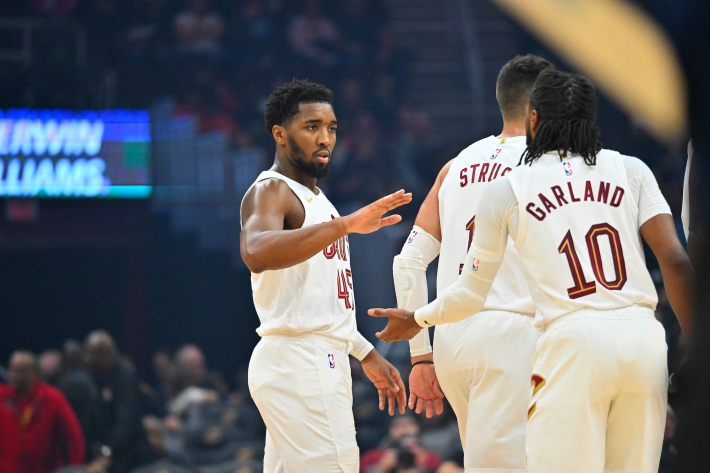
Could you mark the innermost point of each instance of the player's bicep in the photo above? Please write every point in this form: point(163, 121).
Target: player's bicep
point(428, 217)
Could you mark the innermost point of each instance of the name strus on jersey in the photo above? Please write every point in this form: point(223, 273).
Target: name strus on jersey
point(592, 193)
point(411, 236)
point(495, 155)
point(486, 173)
point(568, 168)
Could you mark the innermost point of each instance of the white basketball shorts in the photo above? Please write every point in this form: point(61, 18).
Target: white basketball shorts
point(303, 389)
point(598, 394)
point(484, 364)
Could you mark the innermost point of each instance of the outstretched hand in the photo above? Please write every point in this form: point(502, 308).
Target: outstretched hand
point(401, 326)
point(424, 390)
point(369, 219)
point(386, 379)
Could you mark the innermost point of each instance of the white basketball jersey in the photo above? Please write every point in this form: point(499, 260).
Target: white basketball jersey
point(482, 162)
point(578, 236)
point(315, 296)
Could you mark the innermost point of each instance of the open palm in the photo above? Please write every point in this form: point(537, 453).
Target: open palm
point(369, 219)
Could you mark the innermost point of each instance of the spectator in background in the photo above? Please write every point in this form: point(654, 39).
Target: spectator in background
point(317, 41)
point(365, 171)
point(199, 29)
point(38, 428)
point(162, 363)
point(360, 21)
point(117, 430)
point(50, 366)
point(77, 386)
point(400, 451)
point(191, 357)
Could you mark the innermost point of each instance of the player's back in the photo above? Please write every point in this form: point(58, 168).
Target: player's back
point(481, 163)
point(578, 234)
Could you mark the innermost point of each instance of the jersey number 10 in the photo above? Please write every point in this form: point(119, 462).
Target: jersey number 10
point(582, 287)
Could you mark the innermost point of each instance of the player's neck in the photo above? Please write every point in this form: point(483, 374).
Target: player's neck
point(512, 129)
point(285, 167)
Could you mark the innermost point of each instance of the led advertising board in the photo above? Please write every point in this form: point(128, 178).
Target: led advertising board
point(57, 153)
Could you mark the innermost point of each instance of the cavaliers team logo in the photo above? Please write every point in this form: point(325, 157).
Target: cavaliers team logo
point(331, 360)
point(568, 168)
point(536, 384)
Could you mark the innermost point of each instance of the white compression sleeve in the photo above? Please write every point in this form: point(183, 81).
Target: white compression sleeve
point(467, 295)
point(409, 274)
point(496, 210)
point(361, 348)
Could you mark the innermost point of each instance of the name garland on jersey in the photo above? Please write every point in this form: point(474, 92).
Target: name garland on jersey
point(483, 172)
point(602, 196)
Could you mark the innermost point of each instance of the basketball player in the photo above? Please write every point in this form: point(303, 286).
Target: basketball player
point(483, 363)
point(577, 213)
point(296, 246)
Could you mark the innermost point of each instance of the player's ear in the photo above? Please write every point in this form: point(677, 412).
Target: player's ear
point(279, 134)
point(534, 122)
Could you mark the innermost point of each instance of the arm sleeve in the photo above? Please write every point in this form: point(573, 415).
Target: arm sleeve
point(409, 274)
point(71, 429)
point(361, 348)
point(643, 184)
point(468, 294)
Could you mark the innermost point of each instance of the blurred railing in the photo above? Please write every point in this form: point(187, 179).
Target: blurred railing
point(199, 179)
point(25, 30)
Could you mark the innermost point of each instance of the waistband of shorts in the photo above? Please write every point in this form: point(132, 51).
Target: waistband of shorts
point(511, 312)
point(631, 312)
point(343, 345)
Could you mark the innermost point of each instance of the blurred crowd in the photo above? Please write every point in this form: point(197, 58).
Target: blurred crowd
point(220, 59)
point(84, 408)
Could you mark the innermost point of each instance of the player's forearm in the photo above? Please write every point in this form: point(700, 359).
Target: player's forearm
point(679, 280)
point(278, 249)
point(467, 295)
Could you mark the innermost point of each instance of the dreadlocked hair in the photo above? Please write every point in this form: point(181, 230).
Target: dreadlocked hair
point(284, 101)
point(566, 106)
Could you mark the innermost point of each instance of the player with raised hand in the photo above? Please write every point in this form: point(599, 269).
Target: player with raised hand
point(577, 213)
point(296, 246)
point(483, 363)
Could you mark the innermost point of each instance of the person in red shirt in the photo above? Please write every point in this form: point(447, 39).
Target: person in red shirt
point(38, 429)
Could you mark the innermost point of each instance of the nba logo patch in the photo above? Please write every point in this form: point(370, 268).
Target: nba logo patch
point(568, 168)
point(411, 236)
point(495, 155)
point(331, 360)
point(476, 263)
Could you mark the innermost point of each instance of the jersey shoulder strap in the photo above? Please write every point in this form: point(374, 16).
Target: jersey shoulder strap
point(304, 194)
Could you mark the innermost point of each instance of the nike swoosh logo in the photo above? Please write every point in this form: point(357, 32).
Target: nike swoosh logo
point(309, 200)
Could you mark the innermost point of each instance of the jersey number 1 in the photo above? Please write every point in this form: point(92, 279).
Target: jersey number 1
point(470, 228)
point(582, 287)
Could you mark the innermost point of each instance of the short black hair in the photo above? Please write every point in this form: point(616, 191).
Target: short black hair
point(515, 82)
point(284, 101)
point(566, 105)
